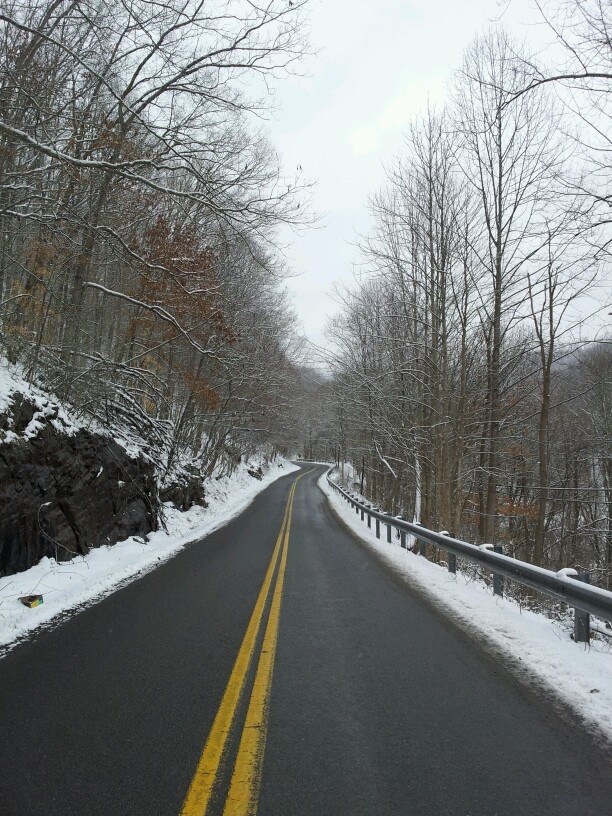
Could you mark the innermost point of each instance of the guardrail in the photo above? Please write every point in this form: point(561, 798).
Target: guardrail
point(567, 585)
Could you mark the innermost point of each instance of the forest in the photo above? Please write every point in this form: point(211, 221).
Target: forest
point(471, 362)
point(140, 279)
point(466, 382)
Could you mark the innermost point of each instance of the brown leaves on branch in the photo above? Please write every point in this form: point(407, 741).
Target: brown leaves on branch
point(180, 273)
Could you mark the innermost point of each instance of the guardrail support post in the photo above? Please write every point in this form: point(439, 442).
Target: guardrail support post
point(356, 508)
point(403, 539)
point(369, 521)
point(422, 547)
point(451, 557)
point(377, 528)
point(582, 620)
point(498, 581)
point(362, 513)
point(388, 533)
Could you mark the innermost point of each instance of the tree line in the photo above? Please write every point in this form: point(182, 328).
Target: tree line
point(139, 203)
point(471, 368)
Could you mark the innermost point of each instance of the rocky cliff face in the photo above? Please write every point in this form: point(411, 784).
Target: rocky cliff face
point(63, 493)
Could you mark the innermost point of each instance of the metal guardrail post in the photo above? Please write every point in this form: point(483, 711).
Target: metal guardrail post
point(422, 543)
point(582, 620)
point(369, 521)
point(451, 559)
point(402, 533)
point(498, 580)
point(377, 528)
point(388, 533)
point(362, 513)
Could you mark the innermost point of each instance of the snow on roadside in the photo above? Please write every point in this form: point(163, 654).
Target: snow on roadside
point(534, 646)
point(87, 579)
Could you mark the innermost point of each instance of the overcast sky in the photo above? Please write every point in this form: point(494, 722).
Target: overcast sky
point(378, 63)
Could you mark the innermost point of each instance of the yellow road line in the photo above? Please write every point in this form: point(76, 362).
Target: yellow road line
point(200, 790)
point(246, 779)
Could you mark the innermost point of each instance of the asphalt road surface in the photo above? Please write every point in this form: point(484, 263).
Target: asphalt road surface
point(275, 667)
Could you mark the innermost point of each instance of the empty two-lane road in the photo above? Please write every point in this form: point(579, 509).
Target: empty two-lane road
point(276, 667)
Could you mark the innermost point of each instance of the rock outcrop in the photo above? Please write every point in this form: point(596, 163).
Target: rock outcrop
point(63, 493)
point(185, 492)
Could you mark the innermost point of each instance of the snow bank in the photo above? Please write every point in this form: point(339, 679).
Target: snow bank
point(87, 579)
point(536, 648)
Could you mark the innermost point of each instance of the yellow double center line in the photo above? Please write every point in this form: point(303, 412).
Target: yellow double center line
point(244, 786)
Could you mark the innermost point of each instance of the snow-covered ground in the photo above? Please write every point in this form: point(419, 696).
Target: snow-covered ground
point(87, 579)
point(536, 648)
point(48, 411)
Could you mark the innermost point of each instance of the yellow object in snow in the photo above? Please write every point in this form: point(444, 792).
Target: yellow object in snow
point(31, 600)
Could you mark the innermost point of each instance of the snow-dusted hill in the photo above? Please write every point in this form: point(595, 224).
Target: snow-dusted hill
point(64, 488)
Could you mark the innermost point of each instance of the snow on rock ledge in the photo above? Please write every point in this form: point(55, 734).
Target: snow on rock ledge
point(63, 489)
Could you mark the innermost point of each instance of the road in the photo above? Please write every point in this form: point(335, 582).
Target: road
point(277, 666)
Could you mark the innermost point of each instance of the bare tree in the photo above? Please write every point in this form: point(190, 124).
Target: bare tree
point(580, 71)
point(510, 155)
